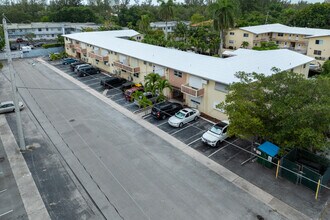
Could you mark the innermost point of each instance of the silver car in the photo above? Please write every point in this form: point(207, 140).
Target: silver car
point(9, 106)
point(77, 68)
point(183, 116)
point(216, 134)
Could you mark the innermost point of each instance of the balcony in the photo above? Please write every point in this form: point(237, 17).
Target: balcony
point(186, 89)
point(127, 68)
point(70, 45)
point(101, 58)
point(79, 50)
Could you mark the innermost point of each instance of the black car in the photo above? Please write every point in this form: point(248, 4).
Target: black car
point(127, 85)
point(38, 44)
point(13, 47)
point(88, 71)
point(73, 65)
point(165, 109)
point(112, 82)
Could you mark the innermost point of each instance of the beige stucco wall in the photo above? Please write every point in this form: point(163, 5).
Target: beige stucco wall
point(238, 38)
point(324, 48)
point(208, 101)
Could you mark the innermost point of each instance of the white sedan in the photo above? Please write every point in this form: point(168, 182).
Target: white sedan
point(183, 116)
point(9, 106)
point(216, 134)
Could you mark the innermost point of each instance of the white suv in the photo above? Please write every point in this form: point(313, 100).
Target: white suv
point(216, 134)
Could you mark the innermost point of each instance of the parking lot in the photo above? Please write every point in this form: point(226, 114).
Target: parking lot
point(190, 133)
point(233, 153)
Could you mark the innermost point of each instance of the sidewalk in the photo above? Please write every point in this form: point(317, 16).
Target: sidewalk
point(33, 203)
point(241, 183)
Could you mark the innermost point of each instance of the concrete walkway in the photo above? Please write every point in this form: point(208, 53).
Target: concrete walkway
point(241, 183)
point(33, 203)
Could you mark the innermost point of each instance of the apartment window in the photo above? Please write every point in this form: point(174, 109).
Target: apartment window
point(285, 43)
point(245, 35)
point(277, 42)
point(59, 29)
point(177, 74)
point(39, 29)
point(319, 42)
point(231, 41)
point(231, 33)
point(53, 35)
point(136, 75)
point(317, 52)
point(280, 34)
point(221, 87)
point(150, 64)
point(304, 66)
point(145, 62)
point(257, 35)
point(46, 29)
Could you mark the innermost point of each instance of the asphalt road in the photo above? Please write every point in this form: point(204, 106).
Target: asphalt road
point(128, 171)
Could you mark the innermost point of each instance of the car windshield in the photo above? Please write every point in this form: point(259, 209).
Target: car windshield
point(216, 129)
point(180, 115)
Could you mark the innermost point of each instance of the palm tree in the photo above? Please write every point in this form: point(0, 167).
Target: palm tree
point(151, 81)
point(161, 85)
point(223, 18)
point(144, 24)
point(166, 12)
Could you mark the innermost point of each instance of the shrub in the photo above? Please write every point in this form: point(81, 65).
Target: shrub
point(52, 45)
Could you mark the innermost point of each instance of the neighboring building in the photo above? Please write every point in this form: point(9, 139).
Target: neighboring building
point(46, 30)
point(170, 25)
point(198, 81)
point(294, 38)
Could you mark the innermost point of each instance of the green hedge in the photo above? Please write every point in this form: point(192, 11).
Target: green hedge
point(52, 45)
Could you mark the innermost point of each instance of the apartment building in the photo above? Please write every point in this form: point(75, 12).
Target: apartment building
point(198, 81)
point(302, 40)
point(161, 25)
point(46, 30)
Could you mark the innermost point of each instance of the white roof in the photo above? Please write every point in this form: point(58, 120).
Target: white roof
point(280, 28)
point(213, 68)
point(50, 25)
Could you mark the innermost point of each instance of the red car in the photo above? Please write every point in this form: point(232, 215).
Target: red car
point(128, 93)
point(19, 40)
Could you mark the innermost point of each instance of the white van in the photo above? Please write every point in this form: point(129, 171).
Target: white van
point(25, 49)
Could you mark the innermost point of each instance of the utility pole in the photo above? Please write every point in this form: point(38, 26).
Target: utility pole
point(14, 88)
point(266, 21)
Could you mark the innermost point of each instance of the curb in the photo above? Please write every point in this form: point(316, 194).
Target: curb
point(274, 203)
point(33, 203)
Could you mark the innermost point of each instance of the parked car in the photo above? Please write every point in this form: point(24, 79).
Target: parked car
point(127, 85)
point(128, 93)
point(38, 44)
point(76, 68)
point(67, 61)
point(112, 82)
point(26, 49)
point(216, 134)
point(19, 40)
point(86, 71)
point(165, 109)
point(73, 65)
point(183, 116)
point(13, 47)
point(149, 96)
point(9, 106)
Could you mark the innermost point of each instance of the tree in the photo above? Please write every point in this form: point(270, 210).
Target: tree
point(326, 68)
point(30, 36)
point(181, 30)
point(166, 12)
point(284, 108)
point(245, 44)
point(144, 24)
point(223, 18)
point(2, 38)
point(163, 84)
point(196, 18)
point(151, 81)
point(141, 99)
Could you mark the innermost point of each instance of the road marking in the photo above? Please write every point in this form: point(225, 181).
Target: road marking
point(4, 190)
point(162, 123)
point(199, 133)
point(105, 92)
point(85, 81)
point(220, 149)
point(118, 99)
point(236, 154)
point(6, 213)
point(146, 116)
point(128, 104)
point(180, 129)
point(194, 141)
point(95, 83)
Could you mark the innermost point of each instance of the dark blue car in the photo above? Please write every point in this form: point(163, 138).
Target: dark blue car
point(68, 61)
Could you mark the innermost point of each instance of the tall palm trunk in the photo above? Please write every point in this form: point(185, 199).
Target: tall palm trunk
point(166, 30)
point(221, 43)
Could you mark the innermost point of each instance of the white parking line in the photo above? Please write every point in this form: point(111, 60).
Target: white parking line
point(194, 141)
point(92, 84)
point(162, 123)
point(84, 81)
point(105, 92)
point(220, 149)
point(128, 104)
point(118, 99)
point(4, 190)
point(180, 129)
point(6, 213)
point(146, 116)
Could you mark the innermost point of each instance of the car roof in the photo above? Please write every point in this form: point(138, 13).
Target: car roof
point(186, 110)
point(133, 89)
point(6, 102)
point(222, 124)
